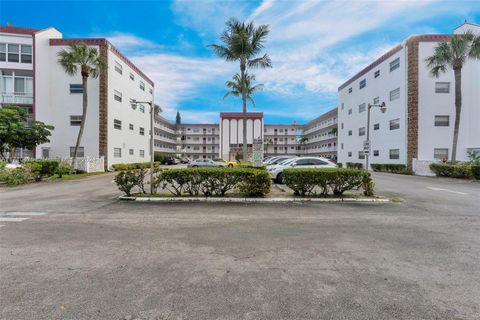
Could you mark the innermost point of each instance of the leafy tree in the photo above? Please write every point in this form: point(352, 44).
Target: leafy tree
point(178, 118)
point(16, 134)
point(454, 54)
point(243, 87)
point(88, 61)
point(243, 42)
point(157, 109)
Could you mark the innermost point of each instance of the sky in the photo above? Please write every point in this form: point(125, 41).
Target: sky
point(314, 45)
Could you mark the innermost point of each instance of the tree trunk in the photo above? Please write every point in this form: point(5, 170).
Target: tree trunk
point(84, 116)
point(458, 110)
point(244, 110)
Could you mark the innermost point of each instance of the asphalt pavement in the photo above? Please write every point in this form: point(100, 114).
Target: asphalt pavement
point(71, 250)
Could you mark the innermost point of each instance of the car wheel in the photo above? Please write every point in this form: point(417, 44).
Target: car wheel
point(280, 179)
point(230, 165)
point(194, 166)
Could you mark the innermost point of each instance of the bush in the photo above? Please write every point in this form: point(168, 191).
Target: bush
point(336, 180)
point(2, 165)
point(47, 167)
point(127, 180)
point(476, 171)
point(209, 181)
point(462, 171)
point(389, 167)
point(158, 157)
point(62, 169)
point(134, 165)
point(354, 165)
point(340, 165)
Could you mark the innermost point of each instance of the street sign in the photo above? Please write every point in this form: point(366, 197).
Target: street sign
point(366, 146)
point(257, 152)
point(366, 152)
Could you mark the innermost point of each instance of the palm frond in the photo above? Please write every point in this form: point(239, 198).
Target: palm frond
point(260, 63)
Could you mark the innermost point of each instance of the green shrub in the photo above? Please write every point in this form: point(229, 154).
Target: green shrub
point(354, 165)
point(47, 167)
point(476, 171)
point(33, 169)
point(335, 180)
point(127, 180)
point(255, 183)
point(2, 165)
point(134, 165)
point(389, 167)
point(63, 168)
point(462, 171)
point(158, 156)
point(340, 165)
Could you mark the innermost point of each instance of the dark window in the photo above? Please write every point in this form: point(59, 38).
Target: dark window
point(376, 126)
point(349, 132)
point(130, 151)
point(363, 83)
point(442, 87)
point(80, 152)
point(394, 154)
point(395, 64)
point(117, 124)
point(76, 88)
point(117, 95)
point(132, 77)
point(377, 74)
point(361, 155)
point(361, 131)
point(3, 52)
point(26, 54)
point(350, 90)
point(375, 153)
point(350, 154)
point(13, 52)
point(394, 124)
point(130, 126)
point(142, 131)
point(75, 120)
point(395, 94)
point(362, 108)
point(442, 121)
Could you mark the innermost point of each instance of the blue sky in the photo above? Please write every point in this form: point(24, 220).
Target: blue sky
point(315, 45)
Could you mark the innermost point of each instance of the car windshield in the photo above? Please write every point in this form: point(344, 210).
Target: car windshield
point(277, 161)
point(286, 162)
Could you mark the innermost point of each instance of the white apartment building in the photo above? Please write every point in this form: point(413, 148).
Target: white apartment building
point(165, 136)
point(418, 122)
point(198, 140)
point(32, 78)
point(281, 139)
point(231, 132)
point(319, 136)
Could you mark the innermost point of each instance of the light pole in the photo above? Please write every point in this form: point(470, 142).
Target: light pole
point(152, 115)
point(366, 145)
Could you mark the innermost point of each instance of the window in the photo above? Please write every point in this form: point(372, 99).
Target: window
point(341, 125)
point(117, 124)
point(130, 152)
point(376, 126)
point(13, 51)
point(16, 52)
point(343, 105)
point(350, 154)
point(141, 108)
point(142, 86)
point(377, 74)
point(118, 67)
point(395, 64)
point(132, 76)
point(442, 87)
point(117, 152)
point(80, 152)
point(442, 121)
point(440, 153)
point(130, 126)
point(376, 100)
point(26, 54)
point(3, 52)
point(361, 155)
point(394, 124)
point(75, 120)
point(76, 88)
point(150, 90)
point(362, 108)
point(395, 94)
point(394, 154)
point(142, 131)
point(341, 146)
point(363, 83)
point(375, 153)
point(350, 90)
point(349, 132)
point(117, 95)
point(142, 153)
point(361, 131)
point(349, 111)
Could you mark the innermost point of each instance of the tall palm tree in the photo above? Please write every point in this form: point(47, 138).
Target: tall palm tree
point(243, 86)
point(243, 42)
point(453, 54)
point(88, 61)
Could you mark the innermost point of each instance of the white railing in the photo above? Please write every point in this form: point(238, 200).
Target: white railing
point(16, 97)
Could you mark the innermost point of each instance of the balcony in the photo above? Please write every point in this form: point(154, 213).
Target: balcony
point(16, 97)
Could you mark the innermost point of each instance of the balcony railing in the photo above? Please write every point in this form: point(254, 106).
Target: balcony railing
point(16, 97)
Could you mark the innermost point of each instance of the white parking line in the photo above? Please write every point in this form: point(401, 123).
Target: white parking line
point(25, 214)
point(2, 225)
point(446, 190)
point(13, 219)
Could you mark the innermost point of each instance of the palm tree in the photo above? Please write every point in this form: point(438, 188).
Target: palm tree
point(243, 42)
point(90, 64)
point(243, 86)
point(453, 54)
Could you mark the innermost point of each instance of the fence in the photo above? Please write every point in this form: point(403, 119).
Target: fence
point(88, 164)
point(422, 167)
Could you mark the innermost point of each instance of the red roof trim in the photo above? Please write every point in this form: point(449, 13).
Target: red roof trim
point(236, 115)
point(18, 30)
point(198, 124)
point(101, 42)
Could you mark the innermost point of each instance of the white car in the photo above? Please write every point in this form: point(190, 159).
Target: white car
point(276, 171)
point(278, 159)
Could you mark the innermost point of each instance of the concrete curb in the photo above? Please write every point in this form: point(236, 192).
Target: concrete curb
point(253, 200)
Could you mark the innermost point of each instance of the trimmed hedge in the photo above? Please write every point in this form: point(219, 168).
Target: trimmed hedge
point(325, 180)
point(200, 181)
point(476, 171)
point(354, 165)
point(47, 167)
point(388, 167)
point(134, 165)
point(462, 171)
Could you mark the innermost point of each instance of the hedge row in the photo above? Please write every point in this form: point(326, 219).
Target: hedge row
point(476, 171)
point(199, 181)
point(354, 165)
point(325, 180)
point(462, 171)
point(134, 165)
point(32, 170)
point(389, 167)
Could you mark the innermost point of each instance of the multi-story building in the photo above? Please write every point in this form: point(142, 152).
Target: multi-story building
point(420, 109)
point(319, 136)
point(231, 132)
point(32, 77)
point(198, 140)
point(165, 140)
point(281, 139)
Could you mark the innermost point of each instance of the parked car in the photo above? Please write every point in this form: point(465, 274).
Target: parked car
point(204, 163)
point(184, 160)
point(229, 164)
point(168, 160)
point(278, 159)
point(276, 170)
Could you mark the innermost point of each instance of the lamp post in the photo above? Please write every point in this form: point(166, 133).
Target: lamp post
point(366, 145)
point(152, 115)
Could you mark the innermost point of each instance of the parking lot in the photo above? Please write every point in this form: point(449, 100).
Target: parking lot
point(73, 251)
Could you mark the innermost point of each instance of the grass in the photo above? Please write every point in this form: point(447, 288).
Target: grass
point(75, 176)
